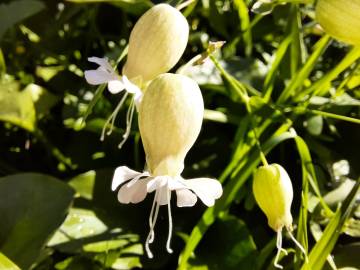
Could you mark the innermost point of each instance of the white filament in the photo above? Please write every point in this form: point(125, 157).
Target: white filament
point(152, 223)
point(129, 118)
point(112, 118)
point(297, 244)
point(168, 248)
point(279, 249)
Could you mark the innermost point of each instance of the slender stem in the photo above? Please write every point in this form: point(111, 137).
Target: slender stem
point(336, 116)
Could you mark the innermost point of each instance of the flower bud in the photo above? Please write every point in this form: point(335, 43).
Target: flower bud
point(156, 43)
point(340, 19)
point(170, 118)
point(274, 194)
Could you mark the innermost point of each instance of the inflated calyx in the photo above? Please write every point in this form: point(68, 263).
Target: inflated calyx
point(273, 193)
point(156, 43)
point(340, 19)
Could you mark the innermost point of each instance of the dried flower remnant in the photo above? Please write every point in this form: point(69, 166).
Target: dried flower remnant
point(170, 118)
point(156, 44)
point(274, 194)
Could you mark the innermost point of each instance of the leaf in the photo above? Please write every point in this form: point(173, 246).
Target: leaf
point(17, 11)
point(136, 7)
point(32, 207)
point(84, 184)
point(299, 78)
point(234, 250)
point(79, 223)
point(6, 263)
point(17, 107)
point(325, 245)
point(43, 99)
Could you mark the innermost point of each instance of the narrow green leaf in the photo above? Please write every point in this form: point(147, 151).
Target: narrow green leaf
point(271, 75)
point(6, 263)
point(325, 245)
point(321, 86)
point(243, 13)
point(298, 80)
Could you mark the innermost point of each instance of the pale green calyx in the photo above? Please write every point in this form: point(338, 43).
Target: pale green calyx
point(340, 19)
point(156, 43)
point(170, 118)
point(274, 194)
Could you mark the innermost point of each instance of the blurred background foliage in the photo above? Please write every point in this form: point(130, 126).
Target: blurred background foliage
point(56, 207)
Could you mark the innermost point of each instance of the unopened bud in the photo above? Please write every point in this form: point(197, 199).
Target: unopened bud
point(156, 43)
point(340, 19)
point(274, 194)
point(170, 118)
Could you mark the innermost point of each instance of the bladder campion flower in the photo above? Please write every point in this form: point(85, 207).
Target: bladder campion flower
point(156, 44)
point(340, 18)
point(273, 193)
point(170, 118)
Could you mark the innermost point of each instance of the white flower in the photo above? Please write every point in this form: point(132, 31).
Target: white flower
point(116, 84)
point(139, 184)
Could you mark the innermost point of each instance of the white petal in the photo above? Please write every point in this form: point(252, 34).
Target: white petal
point(121, 175)
point(185, 198)
point(133, 194)
point(102, 62)
point(156, 183)
point(115, 86)
point(205, 188)
point(98, 76)
point(176, 183)
point(162, 198)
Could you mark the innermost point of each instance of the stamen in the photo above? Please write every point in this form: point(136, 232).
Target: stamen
point(129, 118)
point(152, 222)
point(112, 118)
point(297, 244)
point(168, 248)
point(279, 249)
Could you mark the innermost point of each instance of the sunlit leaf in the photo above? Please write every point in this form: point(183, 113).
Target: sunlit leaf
point(32, 207)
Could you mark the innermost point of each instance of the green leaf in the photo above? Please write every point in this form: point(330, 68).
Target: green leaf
point(6, 263)
point(17, 11)
point(84, 184)
point(17, 107)
point(79, 223)
point(298, 79)
point(32, 207)
point(136, 7)
point(235, 249)
point(325, 245)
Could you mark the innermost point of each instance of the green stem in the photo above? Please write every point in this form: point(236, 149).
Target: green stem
point(336, 116)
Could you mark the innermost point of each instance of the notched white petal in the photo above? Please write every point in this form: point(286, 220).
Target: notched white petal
point(133, 194)
point(115, 86)
point(121, 175)
point(185, 198)
point(207, 189)
point(98, 76)
point(157, 183)
point(102, 62)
